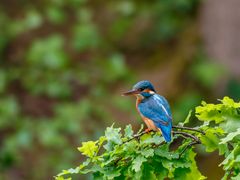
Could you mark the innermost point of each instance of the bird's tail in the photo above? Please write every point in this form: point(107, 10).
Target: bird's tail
point(166, 132)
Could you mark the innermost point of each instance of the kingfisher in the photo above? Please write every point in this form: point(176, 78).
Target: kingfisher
point(153, 108)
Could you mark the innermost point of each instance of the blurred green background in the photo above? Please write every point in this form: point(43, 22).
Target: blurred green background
point(64, 65)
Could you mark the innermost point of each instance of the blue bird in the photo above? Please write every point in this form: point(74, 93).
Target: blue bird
point(153, 108)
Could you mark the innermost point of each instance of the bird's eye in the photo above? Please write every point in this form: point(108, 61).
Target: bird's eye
point(141, 89)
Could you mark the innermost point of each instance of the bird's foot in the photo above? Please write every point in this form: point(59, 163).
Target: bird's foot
point(147, 130)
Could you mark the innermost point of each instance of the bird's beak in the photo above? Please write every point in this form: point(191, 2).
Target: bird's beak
point(131, 92)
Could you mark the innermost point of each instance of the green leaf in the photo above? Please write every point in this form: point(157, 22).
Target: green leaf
point(128, 131)
point(230, 136)
point(210, 141)
point(88, 148)
point(194, 173)
point(169, 166)
point(69, 171)
point(231, 159)
point(113, 137)
point(188, 117)
point(148, 171)
point(160, 171)
point(223, 149)
point(62, 178)
point(163, 151)
point(101, 140)
point(147, 152)
point(209, 112)
point(230, 103)
point(148, 139)
point(130, 147)
point(137, 163)
point(112, 173)
point(92, 169)
point(218, 112)
point(85, 163)
point(237, 177)
point(112, 134)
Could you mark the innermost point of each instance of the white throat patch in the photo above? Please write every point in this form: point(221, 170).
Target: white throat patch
point(151, 92)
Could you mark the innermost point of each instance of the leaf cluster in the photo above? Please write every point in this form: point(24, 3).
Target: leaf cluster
point(222, 127)
point(118, 155)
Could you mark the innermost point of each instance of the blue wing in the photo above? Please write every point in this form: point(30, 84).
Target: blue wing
point(157, 109)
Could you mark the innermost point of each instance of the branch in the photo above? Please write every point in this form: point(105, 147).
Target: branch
point(188, 146)
point(186, 135)
point(137, 136)
point(188, 128)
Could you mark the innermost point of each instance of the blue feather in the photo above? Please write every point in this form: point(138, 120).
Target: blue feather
point(157, 109)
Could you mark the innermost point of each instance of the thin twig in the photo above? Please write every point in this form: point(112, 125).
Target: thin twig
point(188, 128)
point(188, 146)
point(187, 135)
point(136, 136)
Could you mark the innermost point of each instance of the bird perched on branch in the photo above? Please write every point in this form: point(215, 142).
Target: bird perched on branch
point(153, 108)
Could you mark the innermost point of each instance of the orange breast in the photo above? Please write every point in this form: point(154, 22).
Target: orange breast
point(150, 124)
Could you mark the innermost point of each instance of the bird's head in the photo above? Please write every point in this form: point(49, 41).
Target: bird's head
point(142, 89)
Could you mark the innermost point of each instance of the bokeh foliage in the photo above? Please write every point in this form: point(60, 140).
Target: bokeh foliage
point(61, 61)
